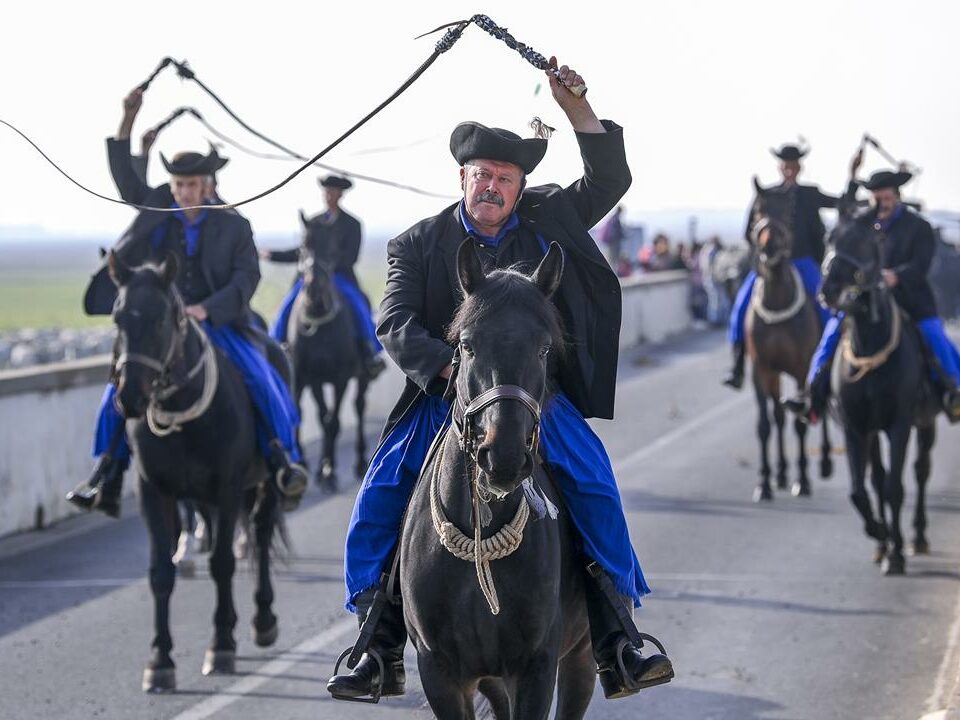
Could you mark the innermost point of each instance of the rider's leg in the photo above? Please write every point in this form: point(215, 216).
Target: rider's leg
point(947, 374)
point(811, 402)
point(582, 469)
point(276, 412)
point(810, 274)
point(102, 491)
point(736, 333)
point(278, 330)
point(372, 535)
point(367, 340)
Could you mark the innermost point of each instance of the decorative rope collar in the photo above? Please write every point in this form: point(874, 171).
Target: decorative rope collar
point(864, 365)
point(774, 317)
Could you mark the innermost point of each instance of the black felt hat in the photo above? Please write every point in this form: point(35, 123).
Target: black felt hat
point(473, 141)
point(887, 179)
point(790, 152)
point(335, 181)
point(193, 163)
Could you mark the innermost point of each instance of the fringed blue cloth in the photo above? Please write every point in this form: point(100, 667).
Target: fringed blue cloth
point(809, 273)
point(572, 450)
point(363, 325)
point(277, 415)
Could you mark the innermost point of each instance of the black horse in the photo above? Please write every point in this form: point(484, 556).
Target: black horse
point(512, 624)
point(191, 427)
point(782, 331)
point(880, 378)
point(321, 337)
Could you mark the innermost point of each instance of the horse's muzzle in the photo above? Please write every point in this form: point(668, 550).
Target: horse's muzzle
point(504, 471)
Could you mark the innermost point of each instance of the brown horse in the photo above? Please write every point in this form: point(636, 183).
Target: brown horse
point(782, 331)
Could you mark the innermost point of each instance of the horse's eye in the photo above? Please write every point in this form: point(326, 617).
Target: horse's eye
point(544, 351)
point(466, 348)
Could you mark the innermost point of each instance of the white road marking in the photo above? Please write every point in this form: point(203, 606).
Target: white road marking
point(277, 666)
point(947, 674)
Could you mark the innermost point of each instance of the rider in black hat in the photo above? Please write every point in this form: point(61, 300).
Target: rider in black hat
point(510, 224)
point(804, 203)
point(338, 229)
point(908, 246)
point(218, 274)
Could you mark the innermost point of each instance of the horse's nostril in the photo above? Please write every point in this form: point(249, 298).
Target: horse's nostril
point(527, 469)
point(483, 459)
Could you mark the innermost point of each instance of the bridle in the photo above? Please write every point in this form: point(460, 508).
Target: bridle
point(164, 422)
point(307, 323)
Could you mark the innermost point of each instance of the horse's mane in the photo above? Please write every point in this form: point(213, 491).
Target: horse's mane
point(511, 291)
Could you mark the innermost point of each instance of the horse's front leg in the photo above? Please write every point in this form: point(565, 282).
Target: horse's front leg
point(159, 512)
point(802, 486)
point(878, 479)
point(895, 563)
point(780, 418)
point(360, 406)
point(265, 628)
point(926, 436)
point(332, 433)
point(763, 490)
point(447, 699)
point(325, 469)
point(857, 448)
point(533, 688)
point(826, 451)
point(222, 654)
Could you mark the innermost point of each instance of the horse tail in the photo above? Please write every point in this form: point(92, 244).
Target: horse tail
point(266, 525)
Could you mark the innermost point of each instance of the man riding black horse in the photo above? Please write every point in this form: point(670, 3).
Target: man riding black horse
point(907, 245)
point(218, 274)
point(340, 230)
point(511, 225)
point(806, 227)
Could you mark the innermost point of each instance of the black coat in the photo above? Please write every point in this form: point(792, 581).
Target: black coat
point(908, 246)
point(805, 202)
point(423, 291)
point(345, 232)
point(228, 257)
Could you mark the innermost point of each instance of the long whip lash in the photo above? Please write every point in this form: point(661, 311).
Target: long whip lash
point(454, 31)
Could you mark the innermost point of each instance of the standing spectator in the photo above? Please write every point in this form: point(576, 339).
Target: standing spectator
point(698, 295)
point(611, 235)
point(718, 304)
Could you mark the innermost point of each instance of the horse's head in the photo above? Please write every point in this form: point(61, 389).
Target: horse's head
point(150, 324)
point(770, 229)
point(506, 330)
point(318, 254)
point(851, 269)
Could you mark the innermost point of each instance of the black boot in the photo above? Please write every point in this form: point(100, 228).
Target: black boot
point(951, 404)
point(102, 491)
point(291, 477)
point(811, 403)
point(621, 667)
point(389, 639)
point(735, 378)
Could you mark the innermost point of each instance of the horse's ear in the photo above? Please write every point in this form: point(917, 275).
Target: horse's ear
point(758, 187)
point(120, 273)
point(469, 268)
point(168, 269)
point(549, 271)
point(847, 207)
point(303, 219)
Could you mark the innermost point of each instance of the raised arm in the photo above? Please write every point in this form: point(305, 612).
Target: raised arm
point(421, 356)
point(132, 187)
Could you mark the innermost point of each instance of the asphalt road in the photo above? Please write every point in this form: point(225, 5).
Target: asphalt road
point(769, 612)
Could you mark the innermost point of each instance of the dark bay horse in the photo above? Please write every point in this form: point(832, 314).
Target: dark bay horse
point(512, 624)
point(782, 331)
point(191, 427)
point(323, 344)
point(880, 378)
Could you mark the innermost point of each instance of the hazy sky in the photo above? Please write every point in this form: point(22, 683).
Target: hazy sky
point(703, 89)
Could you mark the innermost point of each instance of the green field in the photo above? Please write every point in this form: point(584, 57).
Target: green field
point(34, 296)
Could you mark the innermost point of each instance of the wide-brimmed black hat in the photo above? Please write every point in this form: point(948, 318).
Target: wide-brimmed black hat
point(335, 181)
point(193, 163)
point(790, 152)
point(887, 179)
point(473, 141)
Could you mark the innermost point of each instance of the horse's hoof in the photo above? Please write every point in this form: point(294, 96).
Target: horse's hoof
point(920, 546)
point(187, 568)
point(219, 662)
point(826, 467)
point(265, 638)
point(879, 553)
point(893, 564)
point(159, 680)
point(800, 489)
point(762, 493)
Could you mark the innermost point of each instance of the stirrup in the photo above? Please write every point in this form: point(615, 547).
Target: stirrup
point(378, 686)
point(626, 680)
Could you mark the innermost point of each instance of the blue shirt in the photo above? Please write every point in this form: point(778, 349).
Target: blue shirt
point(512, 223)
point(191, 229)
